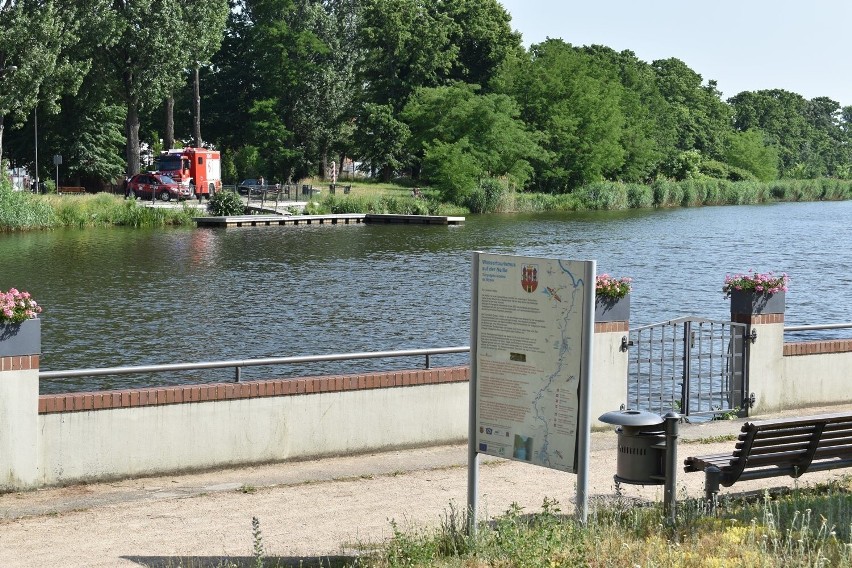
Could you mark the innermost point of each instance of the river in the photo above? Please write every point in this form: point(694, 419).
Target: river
point(116, 297)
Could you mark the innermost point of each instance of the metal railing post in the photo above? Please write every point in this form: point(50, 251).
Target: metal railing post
point(237, 374)
point(687, 364)
point(670, 490)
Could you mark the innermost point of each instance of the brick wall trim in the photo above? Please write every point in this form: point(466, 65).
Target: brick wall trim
point(19, 363)
point(195, 393)
point(817, 347)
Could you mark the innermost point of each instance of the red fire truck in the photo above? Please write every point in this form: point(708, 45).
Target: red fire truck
point(197, 167)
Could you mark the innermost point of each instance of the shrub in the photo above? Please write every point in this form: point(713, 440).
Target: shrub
point(639, 196)
point(486, 198)
point(226, 203)
point(607, 196)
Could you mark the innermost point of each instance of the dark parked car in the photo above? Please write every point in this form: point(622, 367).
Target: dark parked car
point(162, 187)
point(252, 185)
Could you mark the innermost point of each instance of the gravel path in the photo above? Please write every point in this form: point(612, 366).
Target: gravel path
point(328, 507)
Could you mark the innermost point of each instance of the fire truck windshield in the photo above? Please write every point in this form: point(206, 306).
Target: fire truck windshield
point(168, 163)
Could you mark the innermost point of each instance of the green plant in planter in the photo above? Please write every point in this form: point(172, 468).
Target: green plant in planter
point(766, 283)
point(17, 306)
point(607, 286)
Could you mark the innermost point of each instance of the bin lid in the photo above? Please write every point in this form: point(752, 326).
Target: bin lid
point(632, 418)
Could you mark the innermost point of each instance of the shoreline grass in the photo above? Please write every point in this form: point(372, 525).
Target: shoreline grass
point(23, 211)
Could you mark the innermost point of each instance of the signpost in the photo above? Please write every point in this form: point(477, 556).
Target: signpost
point(532, 325)
point(57, 159)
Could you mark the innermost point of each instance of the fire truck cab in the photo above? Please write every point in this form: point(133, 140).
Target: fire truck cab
point(197, 167)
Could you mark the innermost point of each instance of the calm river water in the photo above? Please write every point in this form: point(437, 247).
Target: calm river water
point(116, 297)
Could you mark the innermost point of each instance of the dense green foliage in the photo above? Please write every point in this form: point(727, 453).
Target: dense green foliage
point(440, 92)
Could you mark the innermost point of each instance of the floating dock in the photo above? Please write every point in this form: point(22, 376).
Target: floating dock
point(341, 219)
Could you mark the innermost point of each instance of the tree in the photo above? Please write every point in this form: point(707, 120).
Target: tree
point(701, 119)
point(648, 135)
point(482, 33)
point(574, 101)
point(36, 39)
point(406, 44)
point(381, 138)
point(145, 60)
point(748, 150)
point(483, 134)
point(205, 22)
point(808, 134)
point(89, 134)
point(324, 108)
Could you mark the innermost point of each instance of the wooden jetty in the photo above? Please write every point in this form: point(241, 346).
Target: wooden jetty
point(339, 219)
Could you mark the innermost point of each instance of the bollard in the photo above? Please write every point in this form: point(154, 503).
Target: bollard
point(712, 480)
point(670, 488)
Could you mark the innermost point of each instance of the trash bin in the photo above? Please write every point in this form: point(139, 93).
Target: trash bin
point(641, 446)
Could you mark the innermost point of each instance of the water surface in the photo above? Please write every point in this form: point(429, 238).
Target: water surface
point(116, 297)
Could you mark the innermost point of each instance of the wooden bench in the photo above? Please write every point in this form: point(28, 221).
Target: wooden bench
point(70, 189)
point(772, 448)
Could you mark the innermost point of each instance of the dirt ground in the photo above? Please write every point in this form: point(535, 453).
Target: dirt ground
point(307, 510)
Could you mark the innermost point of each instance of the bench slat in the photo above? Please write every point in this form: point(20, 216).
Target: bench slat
point(789, 422)
point(826, 435)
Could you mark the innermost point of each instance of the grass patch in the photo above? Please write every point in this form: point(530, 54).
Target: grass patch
point(22, 210)
point(800, 528)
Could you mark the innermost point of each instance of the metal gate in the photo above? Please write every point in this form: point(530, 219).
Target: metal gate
point(693, 366)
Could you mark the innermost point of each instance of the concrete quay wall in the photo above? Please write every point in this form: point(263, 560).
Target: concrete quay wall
point(61, 439)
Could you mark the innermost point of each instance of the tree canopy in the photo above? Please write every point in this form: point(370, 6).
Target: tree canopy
point(442, 92)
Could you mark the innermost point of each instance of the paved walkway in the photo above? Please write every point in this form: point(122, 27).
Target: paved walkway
point(307, 510)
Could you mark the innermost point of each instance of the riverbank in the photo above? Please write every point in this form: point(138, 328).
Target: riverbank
point(21, 210)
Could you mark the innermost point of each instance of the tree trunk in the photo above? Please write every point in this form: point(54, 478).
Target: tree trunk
point(131, 128)
point(169, 140)
point(196, 133)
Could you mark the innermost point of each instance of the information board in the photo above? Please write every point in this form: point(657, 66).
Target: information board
point(530, 325)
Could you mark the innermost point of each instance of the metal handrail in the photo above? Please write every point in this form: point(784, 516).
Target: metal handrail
point(815, 327)
point(239, 363)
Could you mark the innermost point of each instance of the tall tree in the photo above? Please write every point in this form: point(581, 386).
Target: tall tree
point(482, 33)
point(782, 117)
point(406, 44)
point(574, 101)
point(36, 39)
point(702, 120)
point(146, 61)
point(324, 107)
point(649, 135)
point(484, 131)
point(748, 150)
point(205, 22)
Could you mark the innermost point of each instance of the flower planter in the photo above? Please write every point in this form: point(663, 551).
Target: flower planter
point(612, 309)
point(748, 302)
point(20, 338)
